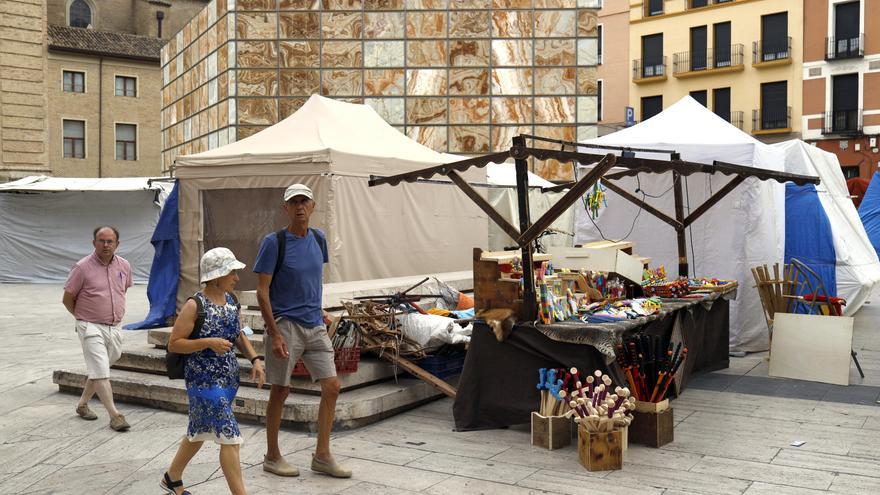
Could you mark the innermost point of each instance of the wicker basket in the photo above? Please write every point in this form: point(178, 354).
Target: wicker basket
point(346, 360)
point(668, 290)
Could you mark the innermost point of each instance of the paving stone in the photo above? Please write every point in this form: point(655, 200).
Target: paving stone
point(490, 470)
point(403, 477)
point(768, 473)
point(758, 488)
point(827, 462)
point(660, 477)
point(84, 479)
point(855, 485)
point(365, 488)
point(584, 482)
point(457, 485)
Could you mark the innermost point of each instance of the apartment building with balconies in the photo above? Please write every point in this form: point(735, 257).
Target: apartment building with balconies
point(739, 58)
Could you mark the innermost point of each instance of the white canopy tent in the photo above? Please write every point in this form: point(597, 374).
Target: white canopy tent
point(743, 230)
point(857, 269)
point(231, 196)
point(47, 223)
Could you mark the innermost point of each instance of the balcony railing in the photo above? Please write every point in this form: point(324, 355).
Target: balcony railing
point(843, 122)
point(719, 58)
point(771, 50)
point(647, 69)
point(771, 119)
point(837, 48)
point(736, 118)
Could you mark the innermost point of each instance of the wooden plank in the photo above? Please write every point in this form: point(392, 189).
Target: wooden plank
point(641, 204)
point(715, 198)
point(573, 194)
point(412, 368)
point(484, 205)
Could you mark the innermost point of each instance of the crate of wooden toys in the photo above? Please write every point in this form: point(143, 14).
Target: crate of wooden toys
point(650, 368)
point(603, 417)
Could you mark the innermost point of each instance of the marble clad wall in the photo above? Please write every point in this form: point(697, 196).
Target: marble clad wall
point(462, 76)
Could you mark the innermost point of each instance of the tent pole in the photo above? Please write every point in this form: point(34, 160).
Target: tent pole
point(530, 300)
point(679, 231)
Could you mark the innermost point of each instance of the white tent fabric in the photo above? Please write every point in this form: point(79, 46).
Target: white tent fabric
point(333, 147)
point(743, 230)
point(47, 223)
point(504, 201)
point(857, 268)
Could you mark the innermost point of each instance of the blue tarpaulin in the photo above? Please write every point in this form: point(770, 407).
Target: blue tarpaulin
point(869, 212)
point(808, 235)
point(165, 271)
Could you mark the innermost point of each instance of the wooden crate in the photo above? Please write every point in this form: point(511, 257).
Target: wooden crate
point(551, 432)
point(652, 424)
point(600, 451)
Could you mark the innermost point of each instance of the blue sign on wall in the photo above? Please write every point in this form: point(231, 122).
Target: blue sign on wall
point(630, 117)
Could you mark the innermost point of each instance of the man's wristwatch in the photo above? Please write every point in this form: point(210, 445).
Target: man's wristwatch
point(257, 357)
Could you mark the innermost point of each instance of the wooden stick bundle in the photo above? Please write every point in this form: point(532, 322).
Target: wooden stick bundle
point(599, 410)
point(649, 370)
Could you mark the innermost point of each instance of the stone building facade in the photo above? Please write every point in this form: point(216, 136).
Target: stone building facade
point(460, 76)
point(61, 60)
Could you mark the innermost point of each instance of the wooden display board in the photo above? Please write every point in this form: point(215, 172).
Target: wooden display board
point(811, 347)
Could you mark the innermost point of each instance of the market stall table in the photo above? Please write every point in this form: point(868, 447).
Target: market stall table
point(497, 385)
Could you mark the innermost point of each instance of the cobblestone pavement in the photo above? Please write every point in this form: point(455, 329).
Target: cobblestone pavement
point(733, 435)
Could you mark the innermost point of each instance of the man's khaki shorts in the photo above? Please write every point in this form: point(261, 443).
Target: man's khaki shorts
point(102, 346)
point(311, 344)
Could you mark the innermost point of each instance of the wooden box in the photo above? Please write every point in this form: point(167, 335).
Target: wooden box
point(551, 432)
point(652, 424)
point(601, 451)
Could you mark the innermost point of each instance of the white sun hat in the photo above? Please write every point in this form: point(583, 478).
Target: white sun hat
point(217, 263)
point(298, 190)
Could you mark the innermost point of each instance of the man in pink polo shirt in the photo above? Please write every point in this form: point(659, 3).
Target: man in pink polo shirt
point(95, 295)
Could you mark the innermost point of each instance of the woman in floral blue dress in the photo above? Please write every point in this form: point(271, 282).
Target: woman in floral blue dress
point(211, 371)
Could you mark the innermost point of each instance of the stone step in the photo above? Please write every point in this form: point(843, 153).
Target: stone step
point(335, 292)
point(147, 359)
point(254, 319)
point(354, 409)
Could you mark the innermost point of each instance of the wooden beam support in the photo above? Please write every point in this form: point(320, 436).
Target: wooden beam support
point(712, 201)
point(484, 205)
point(679, 217)
point(530, 296)
point(412, 368)
point(642, 204)
point(573, 194)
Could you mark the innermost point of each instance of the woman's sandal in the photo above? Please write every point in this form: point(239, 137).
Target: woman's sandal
point(170, 486)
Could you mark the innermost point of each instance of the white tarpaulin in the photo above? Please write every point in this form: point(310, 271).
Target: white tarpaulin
point(857, 269)
point(231, 196)
point(47, 224)
point(743, 230)
point(503, 199)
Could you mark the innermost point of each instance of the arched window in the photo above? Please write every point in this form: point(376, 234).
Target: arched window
point(80, 14)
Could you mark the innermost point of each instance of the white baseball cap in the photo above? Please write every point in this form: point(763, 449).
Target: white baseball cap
point(218, 262)
point(298, 190)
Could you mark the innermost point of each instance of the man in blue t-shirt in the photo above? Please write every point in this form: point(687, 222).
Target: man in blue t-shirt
point(289, 294)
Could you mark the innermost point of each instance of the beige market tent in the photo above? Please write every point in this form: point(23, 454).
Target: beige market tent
point(231, 196)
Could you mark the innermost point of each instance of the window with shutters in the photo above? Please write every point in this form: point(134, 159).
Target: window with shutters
point(73, 81)
point(74, 137)
point(126, 142)
point(774, 105)
point(126, 86)
point(651, 106)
